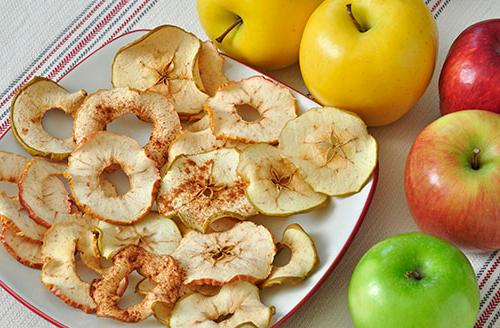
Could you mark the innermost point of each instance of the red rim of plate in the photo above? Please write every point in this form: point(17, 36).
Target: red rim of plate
point(304, 299)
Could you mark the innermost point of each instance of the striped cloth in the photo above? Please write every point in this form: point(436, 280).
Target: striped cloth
point(84, 26)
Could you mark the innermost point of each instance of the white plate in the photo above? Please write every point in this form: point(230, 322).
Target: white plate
point(332, 227)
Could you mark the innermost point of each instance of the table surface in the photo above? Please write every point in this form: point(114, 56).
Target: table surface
point(31, 29)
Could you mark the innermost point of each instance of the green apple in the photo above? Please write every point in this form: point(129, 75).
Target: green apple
point(413, 280)
point(261, 33)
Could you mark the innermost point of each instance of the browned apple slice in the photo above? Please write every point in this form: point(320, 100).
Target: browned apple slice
point(28, 108)
point(331, 148)
point(211, 65)
point(204, 187)
point(302, 262)
point(244, 252)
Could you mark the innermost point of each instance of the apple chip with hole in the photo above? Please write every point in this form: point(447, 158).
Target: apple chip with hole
point(211, 65)
point(204, 187)
point(302, 262)
point(28, 108)
point(275, 106)
point(244, 252)
point(236, 304)
point(42, 193)
point(331, 148)
point(24, 251)
point(164, 60)
point(103, 150)
point(104, 106)
point(59, 273)
point(275, 187)
point(155, 233)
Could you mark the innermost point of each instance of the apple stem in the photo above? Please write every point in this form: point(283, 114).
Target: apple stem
point(356, 23)
point(413, 275)
point(475, 159)
point(229, 29)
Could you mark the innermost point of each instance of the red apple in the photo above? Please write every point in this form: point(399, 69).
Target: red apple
point(470, 77)
point(452, 179)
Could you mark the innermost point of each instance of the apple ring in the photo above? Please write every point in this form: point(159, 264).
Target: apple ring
point(24, 251)
point(161, 270)
point(104, 106)
point(28, 108)
point(41, 192)
point(98, 152)
point(275, 105)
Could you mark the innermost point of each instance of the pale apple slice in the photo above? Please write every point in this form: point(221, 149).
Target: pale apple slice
point(331, 148)
point(302, 262)
point(244, 252)
point(42, 193)
point(24, 251)
point(146, 285)
point(16, 217)
point(155, 233)
point(198, 125)
point(190, 143)
point(239, 302)
point(211, 65)
point(275, 187)
point(164, 60)
point(28, 108)
point(92, 157)
point(274, 104)
point(104, 106)
point(59, 273)
point(12, 166)
point(204, 187)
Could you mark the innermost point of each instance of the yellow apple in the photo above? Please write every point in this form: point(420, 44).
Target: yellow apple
point(372, 57)
point(262, 33)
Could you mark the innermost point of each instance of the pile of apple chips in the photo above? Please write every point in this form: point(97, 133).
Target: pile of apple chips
point(209, 166)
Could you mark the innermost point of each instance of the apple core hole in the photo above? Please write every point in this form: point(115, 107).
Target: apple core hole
point(57, 123)
point(283, 256)
point(130, 297)
point(117, 177)
point(248, 113)
point(130, 126)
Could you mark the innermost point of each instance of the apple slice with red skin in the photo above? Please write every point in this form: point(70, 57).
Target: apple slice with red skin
point(452, 179)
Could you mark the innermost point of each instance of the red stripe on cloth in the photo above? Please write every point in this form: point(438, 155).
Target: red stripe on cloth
point(434, 6)
point(488, 311)
point(52, 52)
point(488, 274)
point(87, 38)
point(127, 21)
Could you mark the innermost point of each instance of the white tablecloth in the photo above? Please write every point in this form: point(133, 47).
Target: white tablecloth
point(48, 37)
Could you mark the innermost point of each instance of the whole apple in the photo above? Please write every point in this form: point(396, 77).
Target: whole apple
point(470, 77)
point(413, 280)
point(452, 179)
point(371, 57)
point(261, 33)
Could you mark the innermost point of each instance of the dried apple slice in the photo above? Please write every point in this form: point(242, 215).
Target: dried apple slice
point(239, 302)
point(198, 125)
point(92, 157)
point(164, 271)
point(42, 193)
point(190, 143)
point(59, 273)
point(275, 187)
point(244, 252)
point(12, 166)
point(104, 106)
point(164, 60)
point(302, 262)
point(28, 108)
point(204, 187)
point(332, 149)
point(275, 105)
point(24, 251)
point(146, 285)
point(155, 233)
point(13, 215)
point(211, 65)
